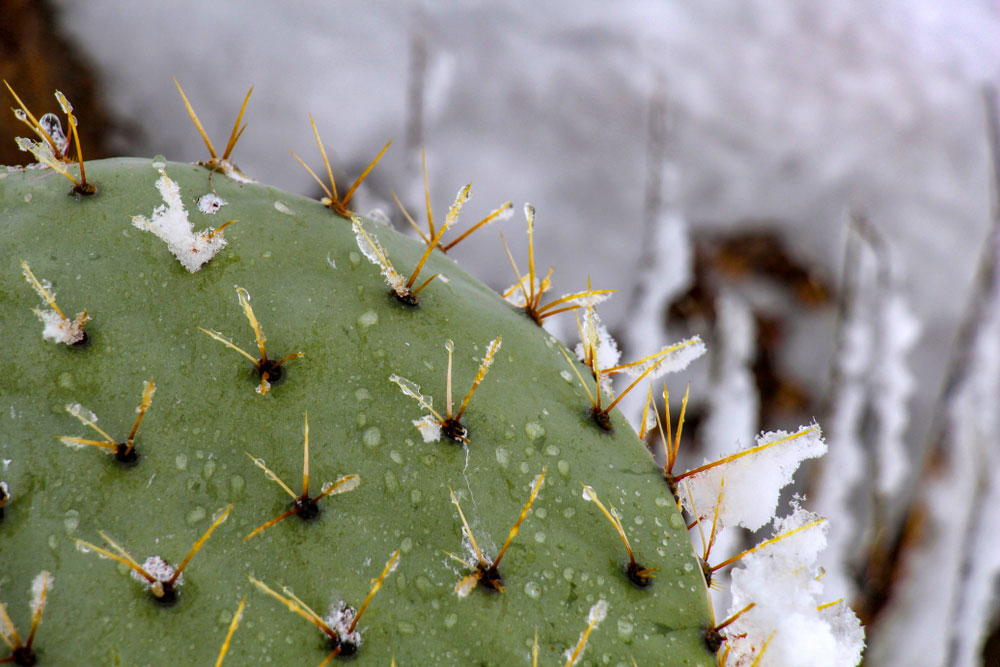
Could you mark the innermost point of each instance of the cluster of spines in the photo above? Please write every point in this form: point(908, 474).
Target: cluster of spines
point(530, 288)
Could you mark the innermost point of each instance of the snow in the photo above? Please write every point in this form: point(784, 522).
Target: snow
point(170, 223)
point(210, 203)
point(893, 385)
point(159, 569)
point(40, 587)
point(753, 478)
point(339, 620)
point(429, 428)
point(782, 581)
point(59, 329)
point(671, 359)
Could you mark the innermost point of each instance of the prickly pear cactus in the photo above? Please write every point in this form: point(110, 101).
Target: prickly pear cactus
point(218, 418)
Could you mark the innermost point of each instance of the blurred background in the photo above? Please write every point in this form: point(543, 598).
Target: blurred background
point(807, 185)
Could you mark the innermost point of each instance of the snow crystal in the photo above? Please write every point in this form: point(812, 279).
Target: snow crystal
point(39, 589)
point(753, 478)
point(159, 569)
point(60, 329)
point(81, 413)
point(782, 581)
point(598, 612)
point(340, 618)
point(675, 358)
point(429, 428)
point(210, 203)
point(596, 337)
point(171, 224)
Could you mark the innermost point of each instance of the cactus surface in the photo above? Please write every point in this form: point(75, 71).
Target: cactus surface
point(314, 292)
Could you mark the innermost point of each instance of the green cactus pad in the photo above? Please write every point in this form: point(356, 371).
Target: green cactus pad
point(313, 291)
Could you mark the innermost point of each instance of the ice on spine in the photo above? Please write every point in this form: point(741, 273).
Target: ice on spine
point(170, 223)
point(376, 254)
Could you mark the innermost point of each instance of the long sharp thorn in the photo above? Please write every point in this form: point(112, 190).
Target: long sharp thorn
point(357, 183)
point(197, 123)
point(520, 519)
point(234, 136)
point(198, 545)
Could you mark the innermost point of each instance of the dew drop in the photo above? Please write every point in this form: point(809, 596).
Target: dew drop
point(533, 590)
point(450, 620)
point(181, 461)
point(368, 319)
point(372, 436)
point(354, 257)
point(406, 545)
point(396, 457)
point(568, 574)
point(71, 521)
point(391, 483)
point(625, 630)
point(362, 394)
point(282, 207)
point(676, 521)
point(662, 501)
point(566, 375)
point(195, 515)
point(563, 467)
point(534, 430)
point(552, 450)
point(502, 457)
point(65, 380)
point(540, 537)
point(416, 496)
point(236, 486)
point(208, 470)
point(159, 162)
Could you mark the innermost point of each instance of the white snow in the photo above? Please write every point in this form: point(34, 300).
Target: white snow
point(340, 618)
point(754, 480)
point(210, 203)
point(40, 587)
point(159, 569)
point(59, 329)
point(675, 358)
point(783, 582)
point(429, 428)
point(171, 224)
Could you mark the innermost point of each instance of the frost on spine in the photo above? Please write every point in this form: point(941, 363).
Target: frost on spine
point(170, 222)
